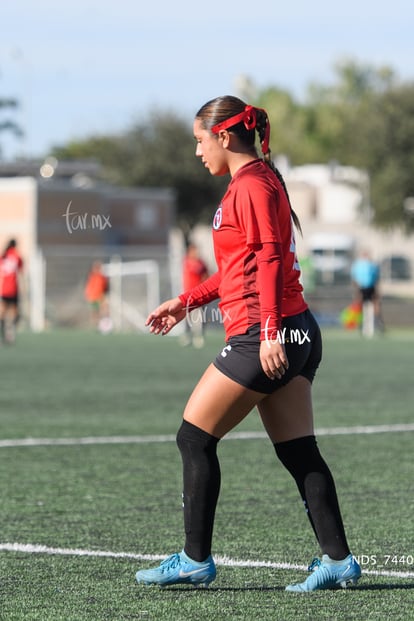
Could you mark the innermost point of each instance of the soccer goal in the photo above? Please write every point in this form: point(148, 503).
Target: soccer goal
point(134, 291)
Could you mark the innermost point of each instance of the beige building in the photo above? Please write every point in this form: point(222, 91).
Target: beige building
point(63, 223)
point(333, 205)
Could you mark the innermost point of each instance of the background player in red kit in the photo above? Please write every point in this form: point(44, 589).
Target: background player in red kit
point(273, 349)
point(195, 271)
point(11, 266)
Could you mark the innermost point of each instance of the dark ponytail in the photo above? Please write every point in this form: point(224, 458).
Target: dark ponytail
point(262, 127)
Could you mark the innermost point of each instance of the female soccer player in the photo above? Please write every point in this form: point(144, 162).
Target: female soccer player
point(11, 266)
point(273, 348)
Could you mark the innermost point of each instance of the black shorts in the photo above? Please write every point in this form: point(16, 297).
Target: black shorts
point(240, 359)
point(10, 300)
point(368, 294)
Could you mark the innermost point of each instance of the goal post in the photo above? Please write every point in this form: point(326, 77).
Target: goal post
point(56, 277)
point(134, 291)
point(37, 292)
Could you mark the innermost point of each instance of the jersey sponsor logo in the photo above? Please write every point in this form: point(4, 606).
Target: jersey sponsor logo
point(9, 265)
point(218, 217)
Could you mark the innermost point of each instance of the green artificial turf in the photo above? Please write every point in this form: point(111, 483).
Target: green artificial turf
point(124, 498)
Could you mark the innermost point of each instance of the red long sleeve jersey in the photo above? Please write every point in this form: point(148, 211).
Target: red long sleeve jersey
point(10, 265)
point(258, 272)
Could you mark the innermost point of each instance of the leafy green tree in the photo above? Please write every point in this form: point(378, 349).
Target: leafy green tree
point(9, 124)
point(389, 158)
point(374, 130)
point(363, 119)
point(159, 152)
point(288, 122)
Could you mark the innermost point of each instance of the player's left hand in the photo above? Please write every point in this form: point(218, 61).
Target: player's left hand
point(273, 359)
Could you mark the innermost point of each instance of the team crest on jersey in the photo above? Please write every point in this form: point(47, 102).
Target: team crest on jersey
point(218, 216)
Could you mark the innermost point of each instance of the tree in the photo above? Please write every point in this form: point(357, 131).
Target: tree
point(288, 122)
point(8, 124)
point(364, 119)
point(374, 131)
point(158, 152)
point(389, 132)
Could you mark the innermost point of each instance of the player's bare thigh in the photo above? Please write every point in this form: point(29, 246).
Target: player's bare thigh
point(287, 413)
point(218, 403)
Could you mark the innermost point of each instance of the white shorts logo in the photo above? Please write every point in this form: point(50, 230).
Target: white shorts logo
point(225, 351)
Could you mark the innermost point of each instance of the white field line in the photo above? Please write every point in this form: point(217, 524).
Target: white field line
point(234, 435)
point(224, 561)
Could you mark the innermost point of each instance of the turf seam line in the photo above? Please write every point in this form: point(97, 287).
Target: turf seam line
point(30, 548)
point(234, 435)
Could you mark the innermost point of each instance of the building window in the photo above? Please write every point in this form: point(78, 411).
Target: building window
point(146, 217)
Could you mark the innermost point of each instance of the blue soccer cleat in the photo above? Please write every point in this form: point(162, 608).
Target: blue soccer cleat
point(179, 569)
point(328, 574)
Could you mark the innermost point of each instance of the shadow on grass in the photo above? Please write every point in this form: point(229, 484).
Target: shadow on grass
point(277, 589)
point(384, 587)
point(216, 589)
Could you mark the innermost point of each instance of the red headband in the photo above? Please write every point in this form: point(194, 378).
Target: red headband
point(248, 116)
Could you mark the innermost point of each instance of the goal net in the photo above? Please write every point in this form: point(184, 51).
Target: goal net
point(134, 291)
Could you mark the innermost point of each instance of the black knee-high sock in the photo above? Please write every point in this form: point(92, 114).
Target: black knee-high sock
point(316, 486)
point(201, 479)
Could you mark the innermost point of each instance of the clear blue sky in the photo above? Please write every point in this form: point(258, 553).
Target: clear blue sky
point(97, 66)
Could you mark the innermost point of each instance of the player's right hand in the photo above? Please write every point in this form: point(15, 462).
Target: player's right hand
point(166, 316)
